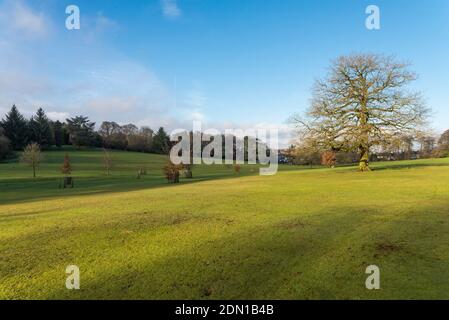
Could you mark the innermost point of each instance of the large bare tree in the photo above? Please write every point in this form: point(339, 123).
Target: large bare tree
point(363, 103)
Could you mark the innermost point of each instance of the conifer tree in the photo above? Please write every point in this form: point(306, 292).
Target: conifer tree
point(40, 129)
point(15, 128)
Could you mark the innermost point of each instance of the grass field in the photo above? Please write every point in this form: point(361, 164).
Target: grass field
point(301, 234)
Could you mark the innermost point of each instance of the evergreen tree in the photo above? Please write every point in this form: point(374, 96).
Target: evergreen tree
point(5, 146)
point(81, 131)
point(15, 128)
point(161, 142)
point(40, 129)
point(58, 132)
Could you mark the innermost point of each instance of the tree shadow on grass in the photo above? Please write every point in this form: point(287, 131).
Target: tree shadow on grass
point(243, 264)
point(409, 165)
point(323, 257)
point(318, 256)
point(16, 191)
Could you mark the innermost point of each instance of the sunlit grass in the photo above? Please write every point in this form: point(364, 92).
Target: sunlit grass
point(301, 234)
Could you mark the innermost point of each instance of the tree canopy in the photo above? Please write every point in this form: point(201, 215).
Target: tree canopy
point(81, 130)
point(363, 102)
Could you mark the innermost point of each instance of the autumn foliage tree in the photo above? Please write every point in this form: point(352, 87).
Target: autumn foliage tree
point(172, 171)
point(363, 103)
point(66, 166)
point(329, 159)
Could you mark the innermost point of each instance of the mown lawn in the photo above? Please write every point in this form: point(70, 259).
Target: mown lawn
point(301, 234)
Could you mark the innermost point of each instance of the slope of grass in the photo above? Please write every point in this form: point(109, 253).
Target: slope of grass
point(301, 234)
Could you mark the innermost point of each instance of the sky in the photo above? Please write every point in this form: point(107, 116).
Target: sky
point(227, 63)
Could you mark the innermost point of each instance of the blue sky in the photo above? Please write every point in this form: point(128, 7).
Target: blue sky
point(230, 63)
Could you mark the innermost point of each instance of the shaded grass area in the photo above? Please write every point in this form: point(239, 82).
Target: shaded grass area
point(302, 234)
point(17, 184)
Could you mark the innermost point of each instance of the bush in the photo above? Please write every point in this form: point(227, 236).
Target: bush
point(329, 159)
point(171, 172)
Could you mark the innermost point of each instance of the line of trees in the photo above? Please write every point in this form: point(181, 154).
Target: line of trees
point(16, 132)
point(308, 152)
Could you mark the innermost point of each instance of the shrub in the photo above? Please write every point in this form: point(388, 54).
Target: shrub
point(171, 172)
point(329, 159)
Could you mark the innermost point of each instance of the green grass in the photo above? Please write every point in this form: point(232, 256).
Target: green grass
point(301, 234)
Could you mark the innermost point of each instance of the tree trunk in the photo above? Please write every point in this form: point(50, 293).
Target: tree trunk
point(364, 160)
point(364, 143)
point(34, 172)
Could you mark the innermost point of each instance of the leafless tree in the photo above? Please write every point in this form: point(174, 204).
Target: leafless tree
point(361, 104)
point(107, 161)
point(32, 156)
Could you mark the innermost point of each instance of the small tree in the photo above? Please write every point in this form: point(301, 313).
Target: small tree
point(107, 161)
point(188, 171)
point(32, 156)
point(171, 172)
point(329, 159)
point(67, 171)
point(66, 167)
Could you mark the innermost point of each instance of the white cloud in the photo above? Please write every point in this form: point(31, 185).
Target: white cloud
point(17, 17)
point(103, 23)
point(112, 104)
point(170, 8)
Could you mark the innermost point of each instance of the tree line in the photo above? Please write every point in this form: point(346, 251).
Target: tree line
point(16, 132)
point(399, 148)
